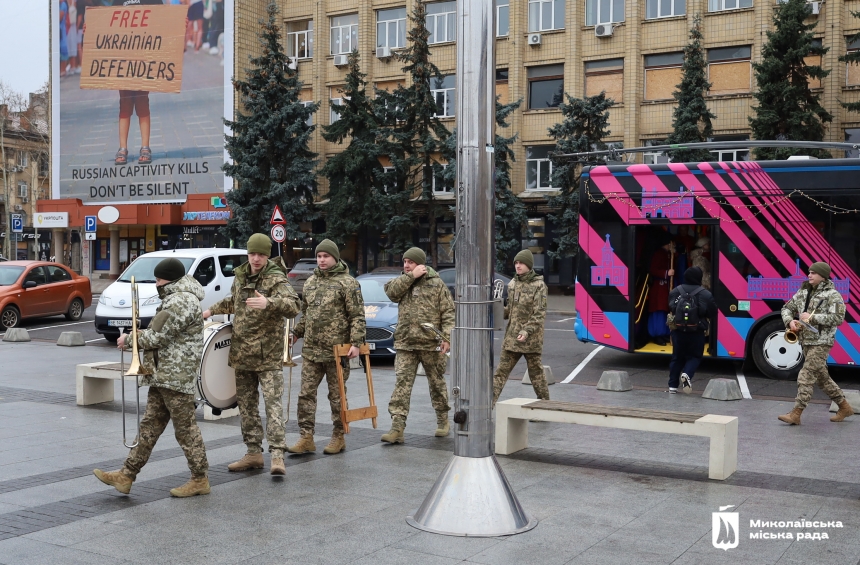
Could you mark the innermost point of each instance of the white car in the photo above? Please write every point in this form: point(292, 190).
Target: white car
point(212, 267)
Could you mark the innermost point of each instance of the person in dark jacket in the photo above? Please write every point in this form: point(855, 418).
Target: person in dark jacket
point(688, 345)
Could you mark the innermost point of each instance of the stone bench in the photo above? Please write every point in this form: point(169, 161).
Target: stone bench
point(512, 420)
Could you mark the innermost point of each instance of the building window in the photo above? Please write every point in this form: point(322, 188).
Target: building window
point(728, 155)
point(605, 76)
point(664, 8)
point(391, 28)
point(720, 5)
point(443, 92)
point(334, 116)
point(503, 18)
point(22, 158)
point(539, 167)
point(300, 39)
point(441, 18)
point(344, 34)
point(662, 75)
point(44, 166)
point(603, 12)
point(310, 120)
point(503, 91)
point(545, 15)
point(441, 185)
point(729, 69)
point(852, 73)
point(546, 86)
point(814, 61)
point(388, 172)
point(852, 135)
point(654, 157)
point(22, 190)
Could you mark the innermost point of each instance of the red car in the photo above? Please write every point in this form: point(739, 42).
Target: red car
point(31, 289)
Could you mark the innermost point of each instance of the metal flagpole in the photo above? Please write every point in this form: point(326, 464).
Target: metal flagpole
point(472, 496)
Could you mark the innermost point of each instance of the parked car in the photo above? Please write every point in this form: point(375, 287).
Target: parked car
point(212, 267)
point(301, 272)
point(393, 270)
point(380, 313)
point(449, 277)
point(30, 289)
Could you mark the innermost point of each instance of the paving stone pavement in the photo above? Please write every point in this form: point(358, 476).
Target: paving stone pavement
point(601, 496)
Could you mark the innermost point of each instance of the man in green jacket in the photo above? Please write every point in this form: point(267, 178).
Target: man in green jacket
point(173, 347)
point(526, 313)
point(422, 298)
point(332, 314)
point(819, 305)
point(260, 299)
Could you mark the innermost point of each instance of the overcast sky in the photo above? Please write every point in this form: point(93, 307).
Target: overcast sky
point(24, 44)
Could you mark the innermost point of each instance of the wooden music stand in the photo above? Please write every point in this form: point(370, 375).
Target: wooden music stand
point(366, 413)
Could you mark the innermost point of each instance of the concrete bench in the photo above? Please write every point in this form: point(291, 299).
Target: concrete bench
point(94, 385)
point(512, 420)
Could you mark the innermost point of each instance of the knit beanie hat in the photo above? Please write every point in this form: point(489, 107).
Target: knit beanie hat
point(260, 243)
point(170, 269)
point(702, 241)
point(526, 258)
point(693, 275)
point(330, 247)
point(416, 255)
point(821, 268)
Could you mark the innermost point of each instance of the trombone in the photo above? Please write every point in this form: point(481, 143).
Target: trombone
point(288, 360)
point(136, 368)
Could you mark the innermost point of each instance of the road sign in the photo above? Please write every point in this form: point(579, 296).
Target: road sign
point(279, 233)
point(17, 223)
point(90, 223)
point(90, 236)
point(277, 217)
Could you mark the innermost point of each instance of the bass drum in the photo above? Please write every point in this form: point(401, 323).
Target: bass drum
point(216, 383)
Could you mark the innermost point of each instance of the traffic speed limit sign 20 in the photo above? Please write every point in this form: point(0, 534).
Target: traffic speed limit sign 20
point(279, 233)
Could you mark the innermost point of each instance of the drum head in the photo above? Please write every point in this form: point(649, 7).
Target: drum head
point(217, 381)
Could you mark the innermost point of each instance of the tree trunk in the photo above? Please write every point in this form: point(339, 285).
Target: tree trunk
point(360, 259)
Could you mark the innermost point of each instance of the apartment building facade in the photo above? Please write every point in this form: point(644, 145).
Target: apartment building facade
point(631, 49)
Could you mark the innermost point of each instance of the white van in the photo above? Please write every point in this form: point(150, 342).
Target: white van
point(212, 267)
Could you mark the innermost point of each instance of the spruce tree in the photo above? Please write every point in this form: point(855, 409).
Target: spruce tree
point(787, 108)
point(415, 133)
point(511, 216)
point(271, 161)
point(583, 128)
point(691, 119)
point(852, 58)
point(356, 201)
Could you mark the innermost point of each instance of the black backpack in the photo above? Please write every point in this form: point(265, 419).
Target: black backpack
point(686, 310)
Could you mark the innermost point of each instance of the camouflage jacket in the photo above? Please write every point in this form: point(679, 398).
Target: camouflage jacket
point(829, 313)
point(332, 313)
point(173, 343)
point(258, 335)
point(526, 313)
point(421, 300)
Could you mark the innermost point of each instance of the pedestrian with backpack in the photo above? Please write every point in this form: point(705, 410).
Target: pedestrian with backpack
point(692, 308)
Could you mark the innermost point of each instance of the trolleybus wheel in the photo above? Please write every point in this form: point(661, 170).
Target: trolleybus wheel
point(774, 356)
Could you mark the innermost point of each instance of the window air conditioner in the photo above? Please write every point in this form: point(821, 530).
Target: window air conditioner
point(292, 63)
point(24, 199)
point(383, 52)
point(603, 30)
point(341, 60)
point(18, 207)
point(534, 39)
point(815, 7)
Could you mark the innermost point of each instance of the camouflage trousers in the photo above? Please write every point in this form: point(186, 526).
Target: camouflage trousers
point(506, 364)
point(312, 375)
point(162, 406)
point(248, 385)
point(405, 368)
point(814, 372)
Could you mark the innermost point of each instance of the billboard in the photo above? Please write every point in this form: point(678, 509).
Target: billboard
point(140, 90)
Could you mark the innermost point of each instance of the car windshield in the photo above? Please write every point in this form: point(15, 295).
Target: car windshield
point(143, 268)
point(8, 275)
point(372, 290)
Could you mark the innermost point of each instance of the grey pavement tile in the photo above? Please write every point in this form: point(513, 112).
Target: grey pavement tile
point(508, 552)
point(45, 494)
point(615, 556)
point(398, 556)
point(14, 550)
point(69, 556)
point(823, 552)
point(77, 532)
point(446, 546)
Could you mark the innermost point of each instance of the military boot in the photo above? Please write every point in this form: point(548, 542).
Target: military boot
point(304, 445)
point(116, 479)
point(246, 463)
point(336, 445)
point(192, 488)
point(277, 467)
point(393, 436)
point(845, 410)
point(792, 417)
point(443, 427)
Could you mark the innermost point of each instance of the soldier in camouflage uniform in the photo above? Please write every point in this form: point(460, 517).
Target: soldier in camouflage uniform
point(820, 305)
point(332, 314)
point(260, 299)
point(422, 297)
point(173, 347)
point(526, 313)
